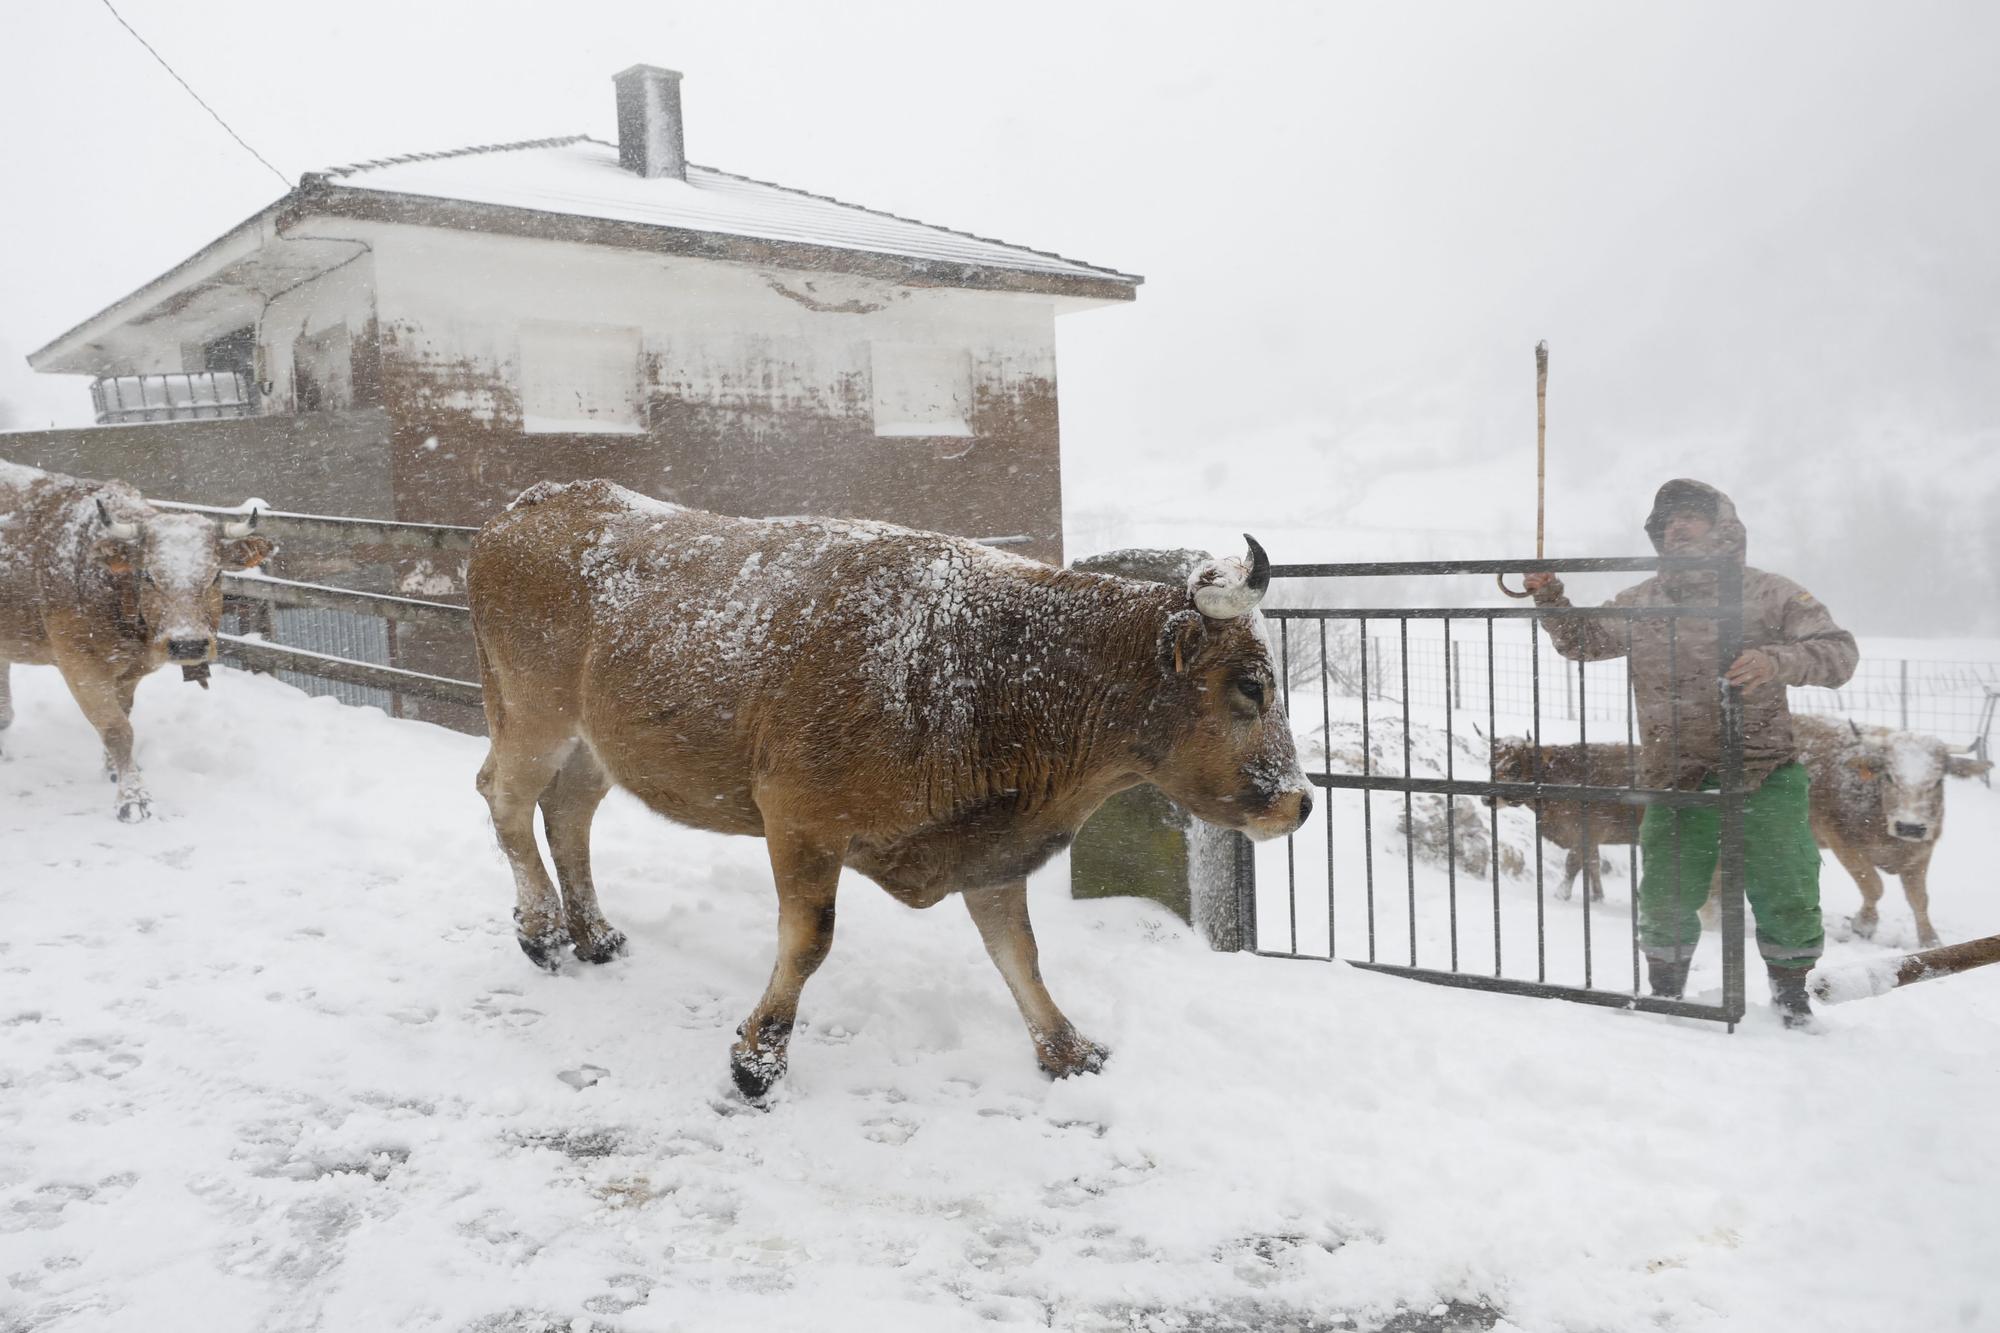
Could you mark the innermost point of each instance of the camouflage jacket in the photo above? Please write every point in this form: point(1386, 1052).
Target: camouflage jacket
point(1676, 672)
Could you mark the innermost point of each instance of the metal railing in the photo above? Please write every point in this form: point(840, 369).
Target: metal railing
point(1356, 920)
point(202, 396)
point(258, 599)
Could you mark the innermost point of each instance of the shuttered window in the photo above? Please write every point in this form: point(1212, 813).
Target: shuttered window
point(580, 379)
point(921, 389)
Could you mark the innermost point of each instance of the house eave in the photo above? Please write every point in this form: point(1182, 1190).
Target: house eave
point(78, 350)
point(318, 195)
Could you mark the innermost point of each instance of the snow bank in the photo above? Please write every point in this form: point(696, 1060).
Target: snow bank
point(273, 1061)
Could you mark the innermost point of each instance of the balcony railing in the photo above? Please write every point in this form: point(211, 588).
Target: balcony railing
point(121, 399)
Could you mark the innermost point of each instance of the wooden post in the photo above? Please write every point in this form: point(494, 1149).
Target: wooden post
point(1860, 982)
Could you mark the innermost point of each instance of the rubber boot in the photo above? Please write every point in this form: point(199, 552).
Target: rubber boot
point(1788, 995)
point(1667, 978)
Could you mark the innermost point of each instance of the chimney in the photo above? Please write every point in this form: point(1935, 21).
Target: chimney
point(649, 122)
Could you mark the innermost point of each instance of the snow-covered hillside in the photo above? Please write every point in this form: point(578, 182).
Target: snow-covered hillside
point(273, 1061)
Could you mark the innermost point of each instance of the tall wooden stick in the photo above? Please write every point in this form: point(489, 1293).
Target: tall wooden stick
point(1541, 460)
point(1541, 441)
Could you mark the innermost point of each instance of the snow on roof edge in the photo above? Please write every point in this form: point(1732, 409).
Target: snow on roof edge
point(564, 140)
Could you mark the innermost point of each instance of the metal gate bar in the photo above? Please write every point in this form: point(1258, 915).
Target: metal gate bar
point(1586, 794)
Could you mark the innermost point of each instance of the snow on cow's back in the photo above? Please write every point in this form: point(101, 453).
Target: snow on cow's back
point(918, 622)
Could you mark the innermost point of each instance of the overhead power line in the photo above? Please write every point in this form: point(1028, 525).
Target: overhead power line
point(282, 178)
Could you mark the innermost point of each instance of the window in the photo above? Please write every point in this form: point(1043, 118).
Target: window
point(580, 379)
point(921, 389)
point(232, 351)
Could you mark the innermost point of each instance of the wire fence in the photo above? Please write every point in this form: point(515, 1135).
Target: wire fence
point(1945, 699)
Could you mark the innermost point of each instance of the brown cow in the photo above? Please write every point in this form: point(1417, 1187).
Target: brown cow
point(1578, 827)
point(1878, 805)
point(936, 714)
point(106, 588)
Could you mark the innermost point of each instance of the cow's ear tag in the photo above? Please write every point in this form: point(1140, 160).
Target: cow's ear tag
point(247, 552)
point(1181, 641)
point(114, 555)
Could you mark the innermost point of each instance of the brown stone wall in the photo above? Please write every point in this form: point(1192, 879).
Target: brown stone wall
point(325, 463)
point(460, 455)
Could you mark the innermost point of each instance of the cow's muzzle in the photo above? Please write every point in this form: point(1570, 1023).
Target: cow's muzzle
point(1909, 832)
point(190, 649)
point(1282, 813)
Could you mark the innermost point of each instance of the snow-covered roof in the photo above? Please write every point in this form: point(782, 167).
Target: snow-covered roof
point(569, 188)
point(580, 177)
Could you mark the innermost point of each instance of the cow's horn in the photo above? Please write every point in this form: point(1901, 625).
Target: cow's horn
point(1226, 601)
point(242, 527)
point(123, 532)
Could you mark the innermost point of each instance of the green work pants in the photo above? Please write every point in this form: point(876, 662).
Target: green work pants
point(1679, 850)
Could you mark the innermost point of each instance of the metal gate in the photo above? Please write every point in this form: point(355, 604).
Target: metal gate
point(1396, 710)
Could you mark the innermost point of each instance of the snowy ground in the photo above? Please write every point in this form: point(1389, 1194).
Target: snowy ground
point(272, 1061)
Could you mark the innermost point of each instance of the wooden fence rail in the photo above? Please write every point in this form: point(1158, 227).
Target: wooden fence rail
point(359, 531)
point(261, 656)
point(285, 592)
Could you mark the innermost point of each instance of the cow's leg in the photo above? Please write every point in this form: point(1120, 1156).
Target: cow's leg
point(1867, 879)
point(1572, 862)
point(1916, 887)
point(518, 769)
point(128, 688)
point(1002, 917)
point(568, 806)
point(1593, 874)
point(107, 702)
point(807, 876)
point(6, 698)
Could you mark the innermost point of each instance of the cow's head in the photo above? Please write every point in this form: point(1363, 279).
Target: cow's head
point(1229, 755)
point(1513, 761)
point(1904, 773)
point(172, 565)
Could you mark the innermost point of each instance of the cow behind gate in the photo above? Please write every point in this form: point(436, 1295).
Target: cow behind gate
point(1878, 805)
point(933, 713)
point(1578, 827)
point(106, 588)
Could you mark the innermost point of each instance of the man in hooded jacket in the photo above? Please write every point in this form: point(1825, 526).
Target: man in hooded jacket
point(1788, 639)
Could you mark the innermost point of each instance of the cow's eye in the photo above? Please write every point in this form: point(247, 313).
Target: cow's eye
point(146, 577)
point(1253, 689)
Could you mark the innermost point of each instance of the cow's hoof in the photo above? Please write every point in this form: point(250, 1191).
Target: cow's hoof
point(1075, 1055)
point(1864, 925)
point(755, 1071)
point(1929, 940)
point(603, 948)
point(134, 810)
point(544, 950)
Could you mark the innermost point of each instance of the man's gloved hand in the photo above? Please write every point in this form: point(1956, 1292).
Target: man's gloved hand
point(1752, 669)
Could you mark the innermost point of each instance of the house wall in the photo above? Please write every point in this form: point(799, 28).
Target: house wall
point(317, 343)
point(753, 391)
point(337, 463)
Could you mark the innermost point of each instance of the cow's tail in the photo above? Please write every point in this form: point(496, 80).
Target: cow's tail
point(490, 694)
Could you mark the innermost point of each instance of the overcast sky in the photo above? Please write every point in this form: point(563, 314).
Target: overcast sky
point(1759, 238)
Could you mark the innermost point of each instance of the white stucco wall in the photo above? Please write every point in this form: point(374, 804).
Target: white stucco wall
point(707, 331)
point(343, 297)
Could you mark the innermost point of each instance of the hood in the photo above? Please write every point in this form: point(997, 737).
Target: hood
point(1729, 537)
